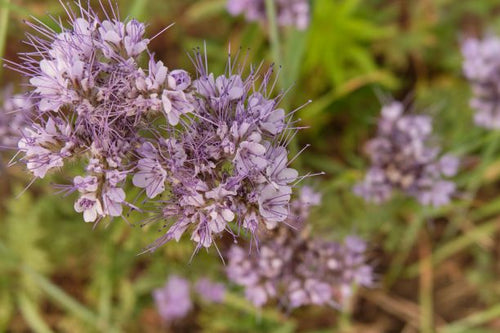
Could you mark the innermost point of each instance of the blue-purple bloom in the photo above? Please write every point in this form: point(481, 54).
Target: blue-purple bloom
point(217, 162)
point(210, 291)
point(297, 270)
point(173, 301)
point(289, 13)
point(91, 100)
point(228, 166)
point(15, 112)
point(404, 159)
point(481, 66)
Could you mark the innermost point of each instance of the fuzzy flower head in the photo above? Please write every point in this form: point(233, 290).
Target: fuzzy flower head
point(15, 112)
point(229, 166)
point(289, 12)
point(403, 158)
point(296, 270)
point(173, 301)
point(92, 99)
point(210, 291)
point(481, 66)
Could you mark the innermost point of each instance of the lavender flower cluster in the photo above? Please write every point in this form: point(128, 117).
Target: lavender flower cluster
point(229, 166)
point(217, 161)
point(404, 159)
point(92, 99)
point(297, 270)
point(290, 13)
point(174, 301)
point(15, 113)
point(481, 66)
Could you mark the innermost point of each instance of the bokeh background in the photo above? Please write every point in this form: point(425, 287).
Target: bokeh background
point(438, 269)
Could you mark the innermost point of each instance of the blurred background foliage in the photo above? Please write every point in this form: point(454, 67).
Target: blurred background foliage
point(438, 268)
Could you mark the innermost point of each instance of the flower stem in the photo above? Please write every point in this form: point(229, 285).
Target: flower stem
point(4, 19)
point(273, 32)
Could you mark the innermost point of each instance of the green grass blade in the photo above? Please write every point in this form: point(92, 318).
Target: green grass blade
point(63, 299)
point(4, 25)
point(31, 315)
point(273, 32)
point(476, 319)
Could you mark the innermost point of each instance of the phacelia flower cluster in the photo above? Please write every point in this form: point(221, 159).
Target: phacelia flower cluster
point(15, 113)
point(228, 169)
point(404, 159)
point(212, 153)
point(91, 100)
point(296, 270)
point(289, 12)
point(209, 291)
point(481, 66)
point(174, 302)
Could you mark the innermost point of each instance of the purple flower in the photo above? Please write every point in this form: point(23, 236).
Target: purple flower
point(226, 167)
point(35, 145)
point(92, 102)
point(179, 80)
point(151, 174)
point(273, 204)
point(481, 67)
point(296, 269)
point(173, 301)
point(15, 112)
point(289, 12)
point(404, 159)
point(175, 104)
point(210, 291)
point(90, 206)
point(86, 184)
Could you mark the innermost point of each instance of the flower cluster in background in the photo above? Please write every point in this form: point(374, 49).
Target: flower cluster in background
point(403, 158)
point(294, 269)
point(290, 13)
point(481, 66)
point(174, 300)
point(219, 156)
point(15, 112)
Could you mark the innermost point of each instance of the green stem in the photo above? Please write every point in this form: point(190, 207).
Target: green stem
point(474, 320)
point(458, 244)
point(474, 183)
point(57, 294)
point(137, 9)
point(4, 19)
point(30, 314)
point(66, 301)
point(273, 32)
point(486, 159)
point(426, 287)
point(406, 245)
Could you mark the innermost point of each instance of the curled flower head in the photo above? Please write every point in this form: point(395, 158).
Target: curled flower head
point(228, 167)
point(403, 158)
point(296, 269)
point(91, 102)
